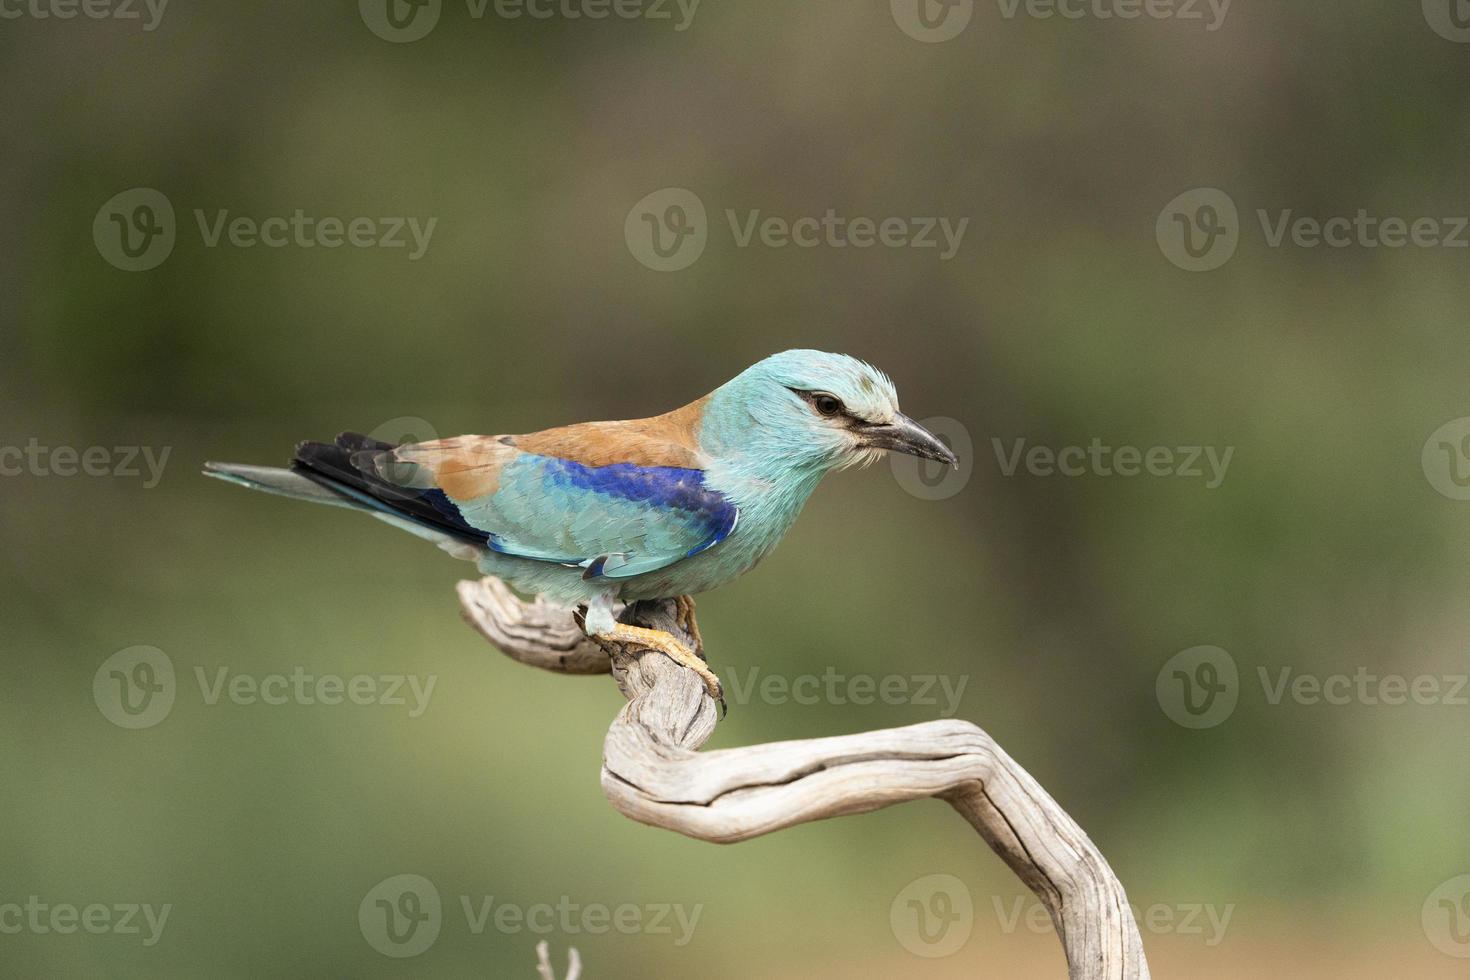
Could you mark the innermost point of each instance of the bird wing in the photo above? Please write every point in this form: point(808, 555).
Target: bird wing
point(615, 498)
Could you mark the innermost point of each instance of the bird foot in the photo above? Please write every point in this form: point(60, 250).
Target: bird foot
point(666, 644)
point(687, 622)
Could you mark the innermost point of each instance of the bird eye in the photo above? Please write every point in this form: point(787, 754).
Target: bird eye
point(826, 404)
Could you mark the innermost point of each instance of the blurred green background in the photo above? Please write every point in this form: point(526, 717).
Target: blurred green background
point(1324, 830)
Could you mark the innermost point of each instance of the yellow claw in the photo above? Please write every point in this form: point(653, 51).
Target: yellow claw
point(666, 644)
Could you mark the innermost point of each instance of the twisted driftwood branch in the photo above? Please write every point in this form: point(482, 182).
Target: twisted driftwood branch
point(651, 773)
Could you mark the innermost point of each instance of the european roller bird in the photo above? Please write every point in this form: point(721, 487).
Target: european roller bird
point(604, 512)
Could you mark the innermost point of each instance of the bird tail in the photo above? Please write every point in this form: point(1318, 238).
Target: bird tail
point(327, 473)
point(273, 479)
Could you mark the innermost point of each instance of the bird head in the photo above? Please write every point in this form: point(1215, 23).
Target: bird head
point(813, 411)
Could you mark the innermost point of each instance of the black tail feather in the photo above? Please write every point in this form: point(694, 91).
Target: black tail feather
point(346, 467)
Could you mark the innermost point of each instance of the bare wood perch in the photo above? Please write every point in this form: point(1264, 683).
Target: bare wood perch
point(652, 773)
point(543, 963)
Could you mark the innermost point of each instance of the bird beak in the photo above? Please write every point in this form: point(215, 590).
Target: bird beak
point(904, 435)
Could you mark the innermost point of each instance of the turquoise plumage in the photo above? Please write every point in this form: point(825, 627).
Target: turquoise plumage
point(602, 512)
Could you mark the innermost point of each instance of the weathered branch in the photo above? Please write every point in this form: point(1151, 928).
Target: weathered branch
point(652, 773)
point(534, 633)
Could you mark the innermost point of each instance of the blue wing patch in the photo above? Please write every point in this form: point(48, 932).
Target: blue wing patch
point(613, 521)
